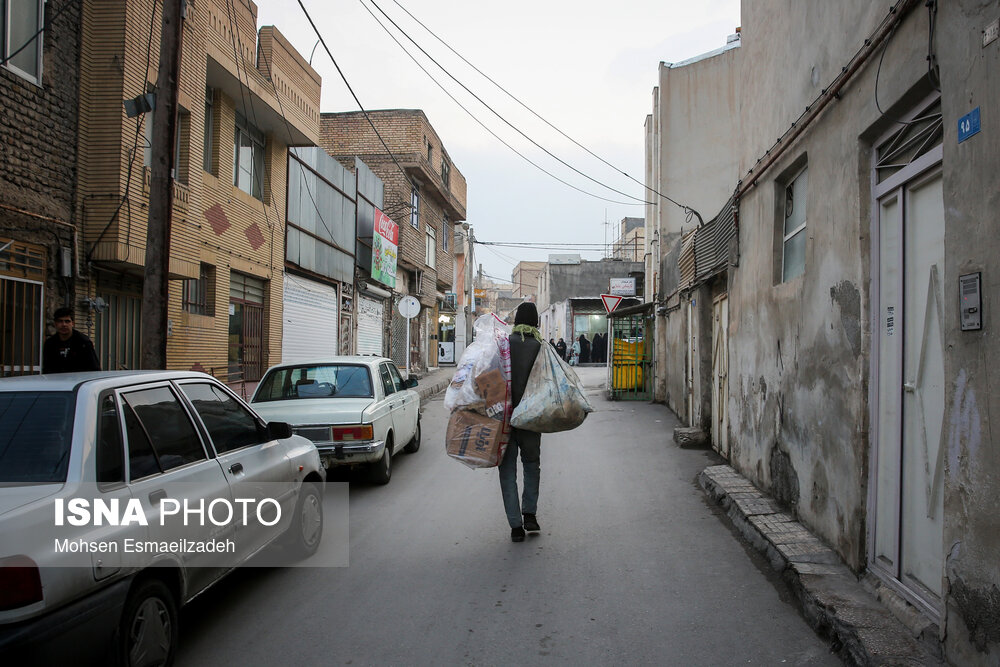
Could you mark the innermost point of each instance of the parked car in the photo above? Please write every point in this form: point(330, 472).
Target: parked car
point(73, 443)
point(358, 410)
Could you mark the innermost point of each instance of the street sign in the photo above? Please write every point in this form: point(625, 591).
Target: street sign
point(623, 286)
point(409, 307)
point(611, 302)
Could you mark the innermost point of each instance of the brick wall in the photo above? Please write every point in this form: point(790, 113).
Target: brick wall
point(38, 126)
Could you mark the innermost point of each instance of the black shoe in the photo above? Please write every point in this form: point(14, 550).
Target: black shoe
point(531, 523)
point(517, 534)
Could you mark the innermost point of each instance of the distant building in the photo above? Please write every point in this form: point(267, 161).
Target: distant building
point(525, 279)
point(631, 243)
point(569, 295)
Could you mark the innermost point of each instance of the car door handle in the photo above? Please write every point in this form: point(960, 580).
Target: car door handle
point(156, 496)
point(236, 468)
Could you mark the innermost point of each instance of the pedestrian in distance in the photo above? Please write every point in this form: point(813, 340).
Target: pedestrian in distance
point(68, 350)
point(561, 349)
point(574, 354)
point(552, 342)
point(584, 349)
point(525, 343)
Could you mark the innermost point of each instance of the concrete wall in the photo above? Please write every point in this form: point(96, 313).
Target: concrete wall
point(972, 526)
point(563, 281)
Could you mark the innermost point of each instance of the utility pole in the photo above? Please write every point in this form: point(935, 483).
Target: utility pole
point(153, 349)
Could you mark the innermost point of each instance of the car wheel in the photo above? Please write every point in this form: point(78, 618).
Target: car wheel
point(148, 629)
point(382, 469)
point(306, 531)
point(414, 444)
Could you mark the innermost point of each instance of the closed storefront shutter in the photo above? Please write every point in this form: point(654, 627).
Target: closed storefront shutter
point(370, 321)
point(310, 320)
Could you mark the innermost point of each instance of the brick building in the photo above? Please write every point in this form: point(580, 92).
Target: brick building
point(39, 251)
point(425, 195)
point(244, 98)
point(525, 279)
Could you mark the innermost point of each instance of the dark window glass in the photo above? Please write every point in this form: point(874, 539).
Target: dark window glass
point(387, 384)
point(141, 458)
point(170, 431)
point(397, 380)
point(110, 455)
point(36, 432)
point(229, 424)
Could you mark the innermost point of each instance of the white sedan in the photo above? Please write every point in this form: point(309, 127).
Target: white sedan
point(358, 410)
point(95, 470)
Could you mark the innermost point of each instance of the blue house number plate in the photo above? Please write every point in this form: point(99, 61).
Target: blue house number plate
point(968, 125)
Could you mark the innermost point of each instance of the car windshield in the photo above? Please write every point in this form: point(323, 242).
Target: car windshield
point(36, 430)
point(319, 381)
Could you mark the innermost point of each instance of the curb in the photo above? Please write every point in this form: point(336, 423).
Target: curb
point(836, 605)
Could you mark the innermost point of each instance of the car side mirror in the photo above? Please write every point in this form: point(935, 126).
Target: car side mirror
point(279, 430)
point(410, 383)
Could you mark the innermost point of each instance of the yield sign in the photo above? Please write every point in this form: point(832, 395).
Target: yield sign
point(611, 302)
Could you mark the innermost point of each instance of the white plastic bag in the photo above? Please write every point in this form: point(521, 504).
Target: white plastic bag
point(478, 397)
point(553, 399)
point(490, 349)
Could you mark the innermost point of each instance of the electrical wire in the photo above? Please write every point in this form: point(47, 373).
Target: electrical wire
point(483, 125)
point(353, 94)
point(501, 117)
point(535, 113)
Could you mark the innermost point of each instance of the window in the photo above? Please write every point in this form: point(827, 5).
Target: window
point(198, 296)
point(160, 434)
point(430, 152)
point(248, 158)
point(387, 386)
point(396, 379)
point(110, 455)
point(293, 382)
point(431, 247)
point(36, 431)
point(20, 37)
point(228, 423)
point(209, 130)
point(445, 172)
point(414, 208)
point(445, 233)
point(793, 242)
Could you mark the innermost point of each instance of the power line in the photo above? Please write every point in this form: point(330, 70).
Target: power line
point(501, 117)
point(481, 124)
point(536, 114)
point(349, 88)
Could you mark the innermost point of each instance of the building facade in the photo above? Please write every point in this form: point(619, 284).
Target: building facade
point(244, 99)
point(524, 278)
point(631, 242)
point(425, 195)
point(841, 288)
point(40, 244)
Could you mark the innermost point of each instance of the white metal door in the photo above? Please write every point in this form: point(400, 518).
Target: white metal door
point(691, 351)
point(369, 326)
point(720, 373)
point(310, 320)
point(908, 536)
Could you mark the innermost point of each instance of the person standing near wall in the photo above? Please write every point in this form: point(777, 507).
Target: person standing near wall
point(68, 350)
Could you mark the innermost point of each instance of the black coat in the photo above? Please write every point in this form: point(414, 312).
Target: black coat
point(75, 354)
point(561, 350)
point(522, 358)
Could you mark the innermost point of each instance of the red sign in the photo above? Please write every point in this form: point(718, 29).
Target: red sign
point(386, 228)
point(611, 302)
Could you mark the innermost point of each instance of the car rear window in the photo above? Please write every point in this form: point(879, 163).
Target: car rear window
point(319, 381)
point(36, 430)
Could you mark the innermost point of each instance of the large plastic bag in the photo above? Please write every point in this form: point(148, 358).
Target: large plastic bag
point(478, 397)
point(553, 399)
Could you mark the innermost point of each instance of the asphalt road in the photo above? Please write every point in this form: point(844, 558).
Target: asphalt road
point(632, 567)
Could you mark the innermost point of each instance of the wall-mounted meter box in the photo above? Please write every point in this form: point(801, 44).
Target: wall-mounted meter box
point(971, 301)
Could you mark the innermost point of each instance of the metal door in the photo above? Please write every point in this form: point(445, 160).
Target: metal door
point(908, 452)
point(720, 373)
point(692, 350)
point(631, 357)
point(22, 323)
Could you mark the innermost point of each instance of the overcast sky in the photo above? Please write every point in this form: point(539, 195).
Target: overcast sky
point(586, 67)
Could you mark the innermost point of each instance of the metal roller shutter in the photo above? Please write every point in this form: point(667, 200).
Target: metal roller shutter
point(310, 320)
point(370, 326)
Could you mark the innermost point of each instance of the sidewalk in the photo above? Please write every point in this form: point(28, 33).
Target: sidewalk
point(432, 383)
point(861, 630)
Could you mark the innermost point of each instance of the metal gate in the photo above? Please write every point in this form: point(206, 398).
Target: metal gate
point(631, 356)
point(720, 375)
point(246, 328)
point(21, 322)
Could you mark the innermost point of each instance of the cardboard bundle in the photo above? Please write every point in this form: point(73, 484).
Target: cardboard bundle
point(479, 440)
